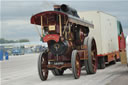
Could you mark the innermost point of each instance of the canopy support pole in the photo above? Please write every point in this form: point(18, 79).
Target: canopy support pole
point(60, 25)
point(42, 26)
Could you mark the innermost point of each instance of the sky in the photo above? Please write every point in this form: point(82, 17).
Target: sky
point(15, 14)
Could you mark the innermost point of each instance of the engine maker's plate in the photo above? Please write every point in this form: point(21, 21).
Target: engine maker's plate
point(51, 27)
point(58, 63)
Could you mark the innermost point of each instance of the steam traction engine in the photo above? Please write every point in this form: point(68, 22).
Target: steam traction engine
point(68, 43)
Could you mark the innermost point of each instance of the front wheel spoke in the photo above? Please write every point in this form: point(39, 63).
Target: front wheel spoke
point(94, 59)
point(44, 66)
point(77, 67)
point(78, 71)
point(93, 50)
point(44, 70)
point(94, 66)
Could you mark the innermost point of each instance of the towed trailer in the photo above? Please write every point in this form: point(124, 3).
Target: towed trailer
point(68, 43)
point(109, 37)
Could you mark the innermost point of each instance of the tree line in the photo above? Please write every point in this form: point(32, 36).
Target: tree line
point(2, 41)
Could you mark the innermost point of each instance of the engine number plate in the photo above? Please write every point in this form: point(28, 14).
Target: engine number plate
point(58, 63)
point(51, 27)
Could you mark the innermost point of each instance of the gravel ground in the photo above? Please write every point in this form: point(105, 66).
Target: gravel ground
point(22, 70)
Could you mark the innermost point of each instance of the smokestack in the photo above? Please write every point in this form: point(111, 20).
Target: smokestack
point(65, 8)
point(69, 10)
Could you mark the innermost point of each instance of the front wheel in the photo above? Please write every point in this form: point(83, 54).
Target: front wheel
point(42, 66)
point(76, 67)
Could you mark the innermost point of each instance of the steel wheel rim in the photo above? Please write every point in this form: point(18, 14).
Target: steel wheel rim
point(78, 69)
point(44, 69)
point(94, 54)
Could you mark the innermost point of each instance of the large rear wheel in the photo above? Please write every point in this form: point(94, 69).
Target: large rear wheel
point(42, 66)
point(76, 67)
point(91, 62)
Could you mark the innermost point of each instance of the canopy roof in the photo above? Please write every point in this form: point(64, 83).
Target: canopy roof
point(36, 19)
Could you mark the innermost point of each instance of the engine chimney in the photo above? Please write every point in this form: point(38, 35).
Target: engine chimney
point(65, 8)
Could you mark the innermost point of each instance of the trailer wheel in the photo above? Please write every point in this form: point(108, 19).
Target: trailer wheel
point(114, 61)
point(101, 63)
point(117, 60)
point(76, 67)
point(57, 72)
point(91, 62)
point(42, 66)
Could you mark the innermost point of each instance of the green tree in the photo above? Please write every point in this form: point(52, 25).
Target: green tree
point(2, 41)
point(24, 40)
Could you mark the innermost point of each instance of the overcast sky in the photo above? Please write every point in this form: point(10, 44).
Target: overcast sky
point(16, 14)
